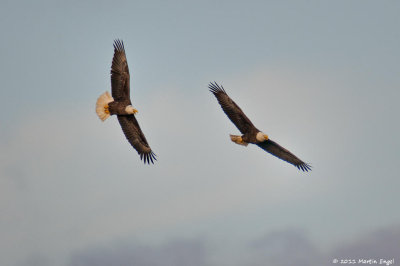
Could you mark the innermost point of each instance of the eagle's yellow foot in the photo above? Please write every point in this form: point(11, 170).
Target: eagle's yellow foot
point(238, 140)
point(106, 109)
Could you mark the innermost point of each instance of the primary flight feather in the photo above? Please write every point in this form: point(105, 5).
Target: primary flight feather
point(120, 104)
point(250, 133)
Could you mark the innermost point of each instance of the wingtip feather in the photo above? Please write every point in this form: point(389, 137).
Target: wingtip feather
point(119, 45)
point(215, 88)
point(148, 157)
point(304, 167)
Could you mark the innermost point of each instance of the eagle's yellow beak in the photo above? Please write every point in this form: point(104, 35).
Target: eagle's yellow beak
point(265, 137)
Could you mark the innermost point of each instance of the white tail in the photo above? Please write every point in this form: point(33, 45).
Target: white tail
point(102, 105)
point(238, 140)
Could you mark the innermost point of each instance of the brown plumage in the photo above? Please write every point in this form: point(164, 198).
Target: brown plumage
point(250, 133)
point(120, 104)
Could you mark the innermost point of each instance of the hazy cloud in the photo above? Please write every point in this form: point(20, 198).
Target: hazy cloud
point(280, 248)
point(174, 253)
point(286, 247)
point(383, 243)
point(36, 259)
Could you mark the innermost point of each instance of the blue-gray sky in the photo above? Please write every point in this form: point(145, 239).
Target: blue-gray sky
point(319, 77)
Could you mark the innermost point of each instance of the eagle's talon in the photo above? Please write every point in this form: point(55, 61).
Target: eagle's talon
point(106, 109)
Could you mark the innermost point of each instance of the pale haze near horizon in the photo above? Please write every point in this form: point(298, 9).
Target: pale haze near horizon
point(320, 78)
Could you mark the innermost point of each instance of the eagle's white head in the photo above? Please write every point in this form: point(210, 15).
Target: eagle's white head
point(261, 137)
point(130, 110)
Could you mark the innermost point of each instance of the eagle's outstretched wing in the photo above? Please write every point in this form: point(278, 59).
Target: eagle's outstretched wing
point(136, 138)
point(120, 74)
point(231, 109)
point(282, 153)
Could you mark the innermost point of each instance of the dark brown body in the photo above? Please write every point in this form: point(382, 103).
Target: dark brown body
point(250, 137)
point(118, 108)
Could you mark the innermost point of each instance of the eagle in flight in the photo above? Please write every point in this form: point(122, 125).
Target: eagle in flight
point(250, 133)
point(119, 103)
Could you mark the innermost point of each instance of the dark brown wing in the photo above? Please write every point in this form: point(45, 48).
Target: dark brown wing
point(120, 74)
point(136, 138)
point(231, 109)
point(282, 153)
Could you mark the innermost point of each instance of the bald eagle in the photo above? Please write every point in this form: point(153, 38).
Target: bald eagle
point(120, 104)
point(250, 133)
